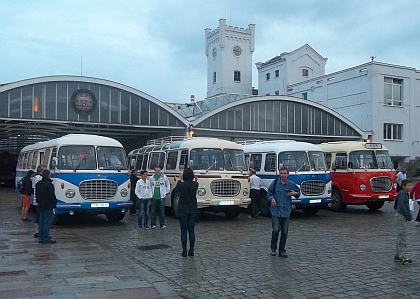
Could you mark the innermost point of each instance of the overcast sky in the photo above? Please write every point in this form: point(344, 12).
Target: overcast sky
point(158, 46)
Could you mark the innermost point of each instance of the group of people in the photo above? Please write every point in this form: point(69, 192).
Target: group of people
point(37, 188)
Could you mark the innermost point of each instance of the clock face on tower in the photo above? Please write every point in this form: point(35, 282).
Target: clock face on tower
point(214, 52)
point(237, 51)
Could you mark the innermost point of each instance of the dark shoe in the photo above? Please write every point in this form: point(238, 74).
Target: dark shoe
point(26, 219)
point(406, 261)
point(273, 252)
point(50, 242)
point(397, 259)
point(184, 254)
point(146, 227)
point(39, 241)
point(257, 214)
point(191, 253)
point(283, 254)
point(36, 235)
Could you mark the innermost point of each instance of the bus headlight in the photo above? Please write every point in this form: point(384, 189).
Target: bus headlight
point(363, 187)
point(329, 191)
point(395, 185)
point(124, 192)
point(201, 191)
point(245, 192)
point(70, 193)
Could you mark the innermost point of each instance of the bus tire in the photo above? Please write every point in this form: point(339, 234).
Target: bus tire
point(175, 204)
point(264, 204)
point(375, 205)
point(310, 210)
point(232, 213)
point(337, 204)
point(115, 216)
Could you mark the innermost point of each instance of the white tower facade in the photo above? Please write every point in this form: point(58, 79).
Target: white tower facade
point(229, 59)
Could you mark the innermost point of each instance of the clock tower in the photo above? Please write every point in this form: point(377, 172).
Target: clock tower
point(229, 59)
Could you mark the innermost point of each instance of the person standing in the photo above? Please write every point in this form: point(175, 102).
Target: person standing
point(26, 193)
point(401, 217)
point(160, 187)
point(133, 197)
point(187, 209)
point(280, 195)
point(400, 177)
point(37, 178)
point(45, 195)
point(415, 195)
point(143, 192)
point(255, 186)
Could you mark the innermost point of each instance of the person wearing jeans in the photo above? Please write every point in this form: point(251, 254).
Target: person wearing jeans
point(187, 209)
point(280, 195)
point(160, 187)
point(143, 192)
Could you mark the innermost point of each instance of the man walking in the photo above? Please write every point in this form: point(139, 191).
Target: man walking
point(160, 187)
point(280, 195)
point(255, 186)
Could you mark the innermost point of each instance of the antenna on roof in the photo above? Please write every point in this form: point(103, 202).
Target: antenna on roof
point(372, 58)
point(230, 17)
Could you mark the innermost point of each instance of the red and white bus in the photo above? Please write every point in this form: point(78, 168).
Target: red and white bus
point(361, 174)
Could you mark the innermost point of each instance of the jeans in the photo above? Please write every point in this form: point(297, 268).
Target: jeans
point(45, 219)
point(143, 206)
point(158, 206)
point(279, 224)
point(401, 228)
point(253, 206)
point(187, 223)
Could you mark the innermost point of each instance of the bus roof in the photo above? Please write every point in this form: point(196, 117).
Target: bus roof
point(348, 146)
point(196, 142)
point(279, 146)
point(74, 139)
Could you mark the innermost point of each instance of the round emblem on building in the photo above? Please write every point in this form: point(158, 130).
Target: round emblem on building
point(83, 101)
point(214, 52)
point(237, 51)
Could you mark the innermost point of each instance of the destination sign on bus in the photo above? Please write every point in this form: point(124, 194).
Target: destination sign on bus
point(373, 145)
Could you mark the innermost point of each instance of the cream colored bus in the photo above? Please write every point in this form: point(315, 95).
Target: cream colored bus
point(218, 165)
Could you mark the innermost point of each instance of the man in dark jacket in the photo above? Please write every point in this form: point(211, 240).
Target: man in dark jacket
point(133, 196)
point(47, 201)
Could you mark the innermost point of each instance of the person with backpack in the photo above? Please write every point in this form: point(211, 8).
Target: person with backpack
point(35, 180)
point(26, 191)
point(280, 195)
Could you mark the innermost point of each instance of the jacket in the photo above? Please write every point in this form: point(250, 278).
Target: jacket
point(403, 207)
point(165, 187)
point(143, 189)
point(45, 195)
point(279, 191)
point(133, 182)
point(187, 195)
point(27, 186)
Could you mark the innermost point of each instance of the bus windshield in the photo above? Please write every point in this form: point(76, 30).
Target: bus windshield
point(77, 157)
point(364, 159)
point(111, 157)
point(234, 159)
point(384, 160)
point(216, 159)
point(317, 161)
point(294, 161)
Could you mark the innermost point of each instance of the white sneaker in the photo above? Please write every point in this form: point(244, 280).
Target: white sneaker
point(153, 226)
point(163, 226)
point(417, 223)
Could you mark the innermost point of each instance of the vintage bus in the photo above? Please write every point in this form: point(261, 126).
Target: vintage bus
point(361, 174)
point(218, 165)
point(89, 174)
point(306, 166)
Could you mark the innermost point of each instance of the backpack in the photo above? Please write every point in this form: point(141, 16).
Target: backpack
point(19, 186)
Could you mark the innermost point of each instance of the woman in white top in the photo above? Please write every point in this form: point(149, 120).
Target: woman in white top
point(143, 192)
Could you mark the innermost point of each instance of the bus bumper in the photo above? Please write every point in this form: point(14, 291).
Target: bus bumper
point(95, 207)
point(223, 202)
point(355, 198)
point(311, 202)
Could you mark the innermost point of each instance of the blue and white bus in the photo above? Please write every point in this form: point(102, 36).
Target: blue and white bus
point(89, 173)
point(306, 166)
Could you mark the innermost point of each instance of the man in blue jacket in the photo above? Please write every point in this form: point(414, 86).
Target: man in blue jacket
point(280, 195)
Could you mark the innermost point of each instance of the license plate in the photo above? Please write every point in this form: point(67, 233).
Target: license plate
point(383, 196)
point(315, 201)
point(226, 203)
point(99, 205)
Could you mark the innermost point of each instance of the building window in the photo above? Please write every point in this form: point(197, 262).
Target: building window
point(214, 77)
point(305, 72)
point(237, 76)
point(267, 76)
point(304, 95)
point(277, 92)
point(393, 91)
point(393, 131)
point(277, 72)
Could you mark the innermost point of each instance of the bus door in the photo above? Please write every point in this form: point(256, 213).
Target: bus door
point(340, 171)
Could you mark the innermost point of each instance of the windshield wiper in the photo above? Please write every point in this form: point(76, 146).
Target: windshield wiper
point(213, 164)
point(304, 164)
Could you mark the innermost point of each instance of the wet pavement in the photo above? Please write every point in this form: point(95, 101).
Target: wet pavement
point(331, 255)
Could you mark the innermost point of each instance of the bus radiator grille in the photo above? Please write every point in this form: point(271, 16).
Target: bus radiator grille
point(381, 184)
point(225, 187)
point(312, 188)
point(98, 189)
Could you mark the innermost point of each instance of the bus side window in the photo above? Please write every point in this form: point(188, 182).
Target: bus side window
point(183, 162)
point(341, 161)
point(53, 155)
point(139, 162)
point(171, 160)
point(255, 161)
point(270, 163)
point(328, 160)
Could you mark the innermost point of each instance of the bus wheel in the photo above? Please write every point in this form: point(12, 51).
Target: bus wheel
point(232, 213)
point(56, 219)
point(264, 204)
point(115, 216)
point(310, 210)
point(337, 204)
point(175, 204)
point(376, 205)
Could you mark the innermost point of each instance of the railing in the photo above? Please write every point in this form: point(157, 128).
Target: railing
point(166, 140)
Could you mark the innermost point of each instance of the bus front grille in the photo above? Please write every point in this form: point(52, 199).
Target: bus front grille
point(312, 188)
point(225, 187)
point(98, 189)
point(381, 184)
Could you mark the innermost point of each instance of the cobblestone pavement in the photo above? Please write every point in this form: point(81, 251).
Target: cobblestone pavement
point(331, 255)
